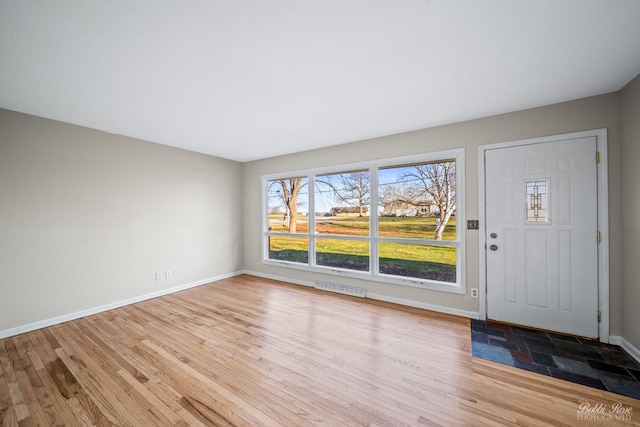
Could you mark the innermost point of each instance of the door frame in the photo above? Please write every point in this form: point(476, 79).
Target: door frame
point(603, 220)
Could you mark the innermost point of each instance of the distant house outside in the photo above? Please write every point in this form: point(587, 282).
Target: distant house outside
point(349, 211)
point(404, 208)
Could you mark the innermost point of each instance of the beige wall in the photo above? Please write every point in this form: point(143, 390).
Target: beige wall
point(585, 114)
point(88, 218)
point(630, 212)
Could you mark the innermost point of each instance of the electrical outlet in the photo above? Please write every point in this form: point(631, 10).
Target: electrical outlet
point(168, 274)
point(158, 277)
point(474, 292)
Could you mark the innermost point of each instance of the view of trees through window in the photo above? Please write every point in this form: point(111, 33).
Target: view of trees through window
point(397, 221)
point(417, 202)
point(286, 198)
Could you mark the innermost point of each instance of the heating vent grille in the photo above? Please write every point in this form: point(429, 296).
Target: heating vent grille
point(342, 289)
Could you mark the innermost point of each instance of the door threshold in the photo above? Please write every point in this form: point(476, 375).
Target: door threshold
point(517, 325)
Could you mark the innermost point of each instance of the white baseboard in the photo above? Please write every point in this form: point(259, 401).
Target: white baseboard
point(626, 345)
point(426, 306)
point(379, 297)
point(279, 278)
point(94, 310)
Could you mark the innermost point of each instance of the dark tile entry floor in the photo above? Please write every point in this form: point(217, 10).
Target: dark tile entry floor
point(582, 361)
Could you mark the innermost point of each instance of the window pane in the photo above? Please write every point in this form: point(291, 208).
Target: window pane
point(288, 205)
point(285, 248)
point(415, 227)
point(418, 261)
point(537, 201)
point(342, 203)
point(347, 254)
point(418, 201)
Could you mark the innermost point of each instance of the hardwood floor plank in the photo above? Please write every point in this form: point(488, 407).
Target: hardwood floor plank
point(250, 351)
point(218, 398)
point(49, 399)
point(205, 360)
point(9, 418)
point(95, 373)
point(5, 397)
point(322, 370)
point(19, 409)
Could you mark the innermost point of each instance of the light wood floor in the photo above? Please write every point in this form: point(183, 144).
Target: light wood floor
point(250, 351)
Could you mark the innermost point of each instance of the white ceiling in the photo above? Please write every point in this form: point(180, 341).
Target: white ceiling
point(249, 79)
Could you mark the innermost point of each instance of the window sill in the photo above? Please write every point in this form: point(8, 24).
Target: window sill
point(432, 285)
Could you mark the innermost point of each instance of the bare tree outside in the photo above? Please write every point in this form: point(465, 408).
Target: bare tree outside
point(438, 181)
point(289, 190)
point(399, 193)
point(351, 188)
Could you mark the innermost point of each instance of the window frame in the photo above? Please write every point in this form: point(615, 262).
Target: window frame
point(373, 238)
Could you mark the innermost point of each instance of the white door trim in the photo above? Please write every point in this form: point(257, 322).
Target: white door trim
point(603, 220)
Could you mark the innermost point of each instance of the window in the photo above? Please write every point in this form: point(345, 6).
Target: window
point(537, 201)
point(287, 198)
point(418, 202)
point(393, 221)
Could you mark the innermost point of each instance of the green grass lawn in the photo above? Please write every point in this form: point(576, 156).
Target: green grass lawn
point(407, 260)
point(408, 227)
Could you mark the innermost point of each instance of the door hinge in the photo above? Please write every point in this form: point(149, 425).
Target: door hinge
point(599, 316)
point(597, 157)
point(598, 237)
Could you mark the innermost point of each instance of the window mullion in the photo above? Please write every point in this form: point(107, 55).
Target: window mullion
point(312, 220)
point(373, 221)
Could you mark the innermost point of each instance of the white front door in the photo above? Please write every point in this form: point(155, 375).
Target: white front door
point(541, 235)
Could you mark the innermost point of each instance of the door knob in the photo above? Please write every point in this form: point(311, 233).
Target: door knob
point(493, 247)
